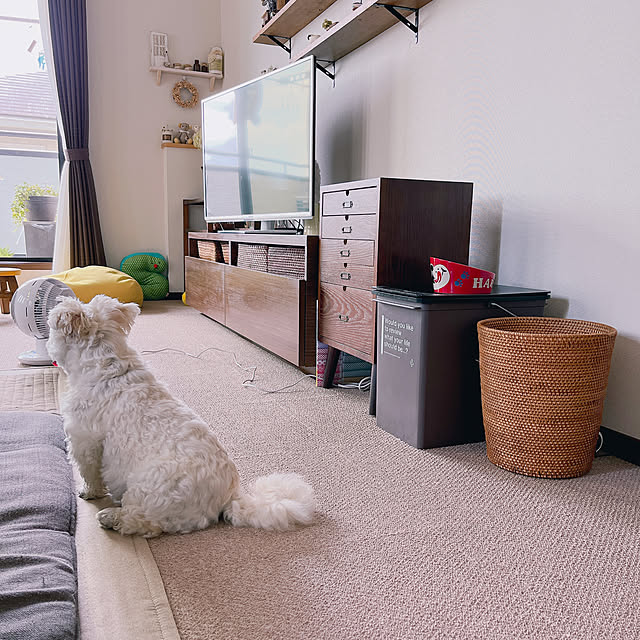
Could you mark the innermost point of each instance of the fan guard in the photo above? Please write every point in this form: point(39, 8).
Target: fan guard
point(30, 307)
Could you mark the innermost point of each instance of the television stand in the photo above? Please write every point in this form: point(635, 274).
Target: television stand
point(288, 232)
point(262, 286)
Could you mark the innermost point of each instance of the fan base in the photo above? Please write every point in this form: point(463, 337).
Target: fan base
point(35, 359)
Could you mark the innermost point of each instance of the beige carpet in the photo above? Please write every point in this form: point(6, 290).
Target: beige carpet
point(407, 544)
point(12, 343)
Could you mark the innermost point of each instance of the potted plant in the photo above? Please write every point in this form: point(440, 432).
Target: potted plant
point(34, 202)
point(34, 206)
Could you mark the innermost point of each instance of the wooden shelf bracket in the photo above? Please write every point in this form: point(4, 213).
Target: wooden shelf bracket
point(393, 10)
point(280, 41)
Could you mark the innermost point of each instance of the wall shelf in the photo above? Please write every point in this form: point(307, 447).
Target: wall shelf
point(178, 145)
point(185, 72)
point(362, 25)
point(355, 29)
point(295, 15)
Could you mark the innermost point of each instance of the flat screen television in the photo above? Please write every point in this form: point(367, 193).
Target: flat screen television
point(258, 142)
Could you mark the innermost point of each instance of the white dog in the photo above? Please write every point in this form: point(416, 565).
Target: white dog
point(132, 439)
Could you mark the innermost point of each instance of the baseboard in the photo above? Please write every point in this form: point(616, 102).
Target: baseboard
point(620, 445)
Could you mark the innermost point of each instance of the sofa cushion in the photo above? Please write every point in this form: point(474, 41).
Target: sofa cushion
point(38, 588)
point(35, 486)
point(20, 429)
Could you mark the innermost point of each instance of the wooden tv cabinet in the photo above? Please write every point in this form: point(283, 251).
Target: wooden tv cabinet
point(262, 286)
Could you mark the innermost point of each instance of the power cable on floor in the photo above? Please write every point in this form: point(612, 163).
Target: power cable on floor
point(249, 382)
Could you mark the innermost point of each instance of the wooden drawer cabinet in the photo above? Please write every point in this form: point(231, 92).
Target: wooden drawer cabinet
point(358, 252)
point(350, 201)
point(382, 232)
point(346, 274)
point(357, 227)
point(346, 319)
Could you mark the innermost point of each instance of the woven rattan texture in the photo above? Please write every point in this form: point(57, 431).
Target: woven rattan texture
point(287, 261)
point(213, 250)
point(252, 256)
point(543, 383)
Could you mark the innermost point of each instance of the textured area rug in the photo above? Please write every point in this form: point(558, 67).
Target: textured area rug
point(30, 390)
point(120, 592)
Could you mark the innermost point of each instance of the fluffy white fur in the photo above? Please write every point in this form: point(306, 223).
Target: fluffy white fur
point(132, 439)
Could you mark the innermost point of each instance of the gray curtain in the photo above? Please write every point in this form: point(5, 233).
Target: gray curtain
point(68, 22)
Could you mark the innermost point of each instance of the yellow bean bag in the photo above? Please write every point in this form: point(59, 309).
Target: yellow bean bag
point(88, 282)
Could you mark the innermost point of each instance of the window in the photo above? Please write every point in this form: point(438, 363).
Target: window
point(28, 137)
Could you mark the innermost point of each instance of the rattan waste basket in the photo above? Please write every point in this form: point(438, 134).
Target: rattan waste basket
point(543, 384)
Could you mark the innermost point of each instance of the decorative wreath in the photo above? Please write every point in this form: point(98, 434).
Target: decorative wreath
point(183, 85)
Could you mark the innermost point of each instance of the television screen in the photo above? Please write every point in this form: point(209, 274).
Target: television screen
point(258, 147)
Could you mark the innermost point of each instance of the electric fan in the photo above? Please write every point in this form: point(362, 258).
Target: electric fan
point(30, 306)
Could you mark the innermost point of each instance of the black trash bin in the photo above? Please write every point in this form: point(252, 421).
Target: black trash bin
point(428, 381)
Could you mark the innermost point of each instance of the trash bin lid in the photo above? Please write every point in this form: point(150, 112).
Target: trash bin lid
point(499, 291)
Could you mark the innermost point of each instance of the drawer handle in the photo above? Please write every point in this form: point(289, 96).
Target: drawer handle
point(347, 204)
point(346, 229)
point(343, 318)
point(345, 253)
point(345, 275)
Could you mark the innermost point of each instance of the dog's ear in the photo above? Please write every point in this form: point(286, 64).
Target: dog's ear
point(125, 315)
point(114, 311)
point(70, 316)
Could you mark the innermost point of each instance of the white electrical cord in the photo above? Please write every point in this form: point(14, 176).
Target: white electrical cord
point(362, 385)
point(249, 382)
point(601, 441)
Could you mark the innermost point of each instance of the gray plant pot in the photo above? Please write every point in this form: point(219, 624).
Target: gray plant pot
point(41, 208)
point(39, 238)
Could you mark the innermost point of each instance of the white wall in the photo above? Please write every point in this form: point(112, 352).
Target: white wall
point(243, 59)
point(182, 179)
point(128, 110)
point(538, 106)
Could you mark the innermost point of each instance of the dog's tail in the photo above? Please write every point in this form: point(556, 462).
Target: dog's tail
point(278, 501)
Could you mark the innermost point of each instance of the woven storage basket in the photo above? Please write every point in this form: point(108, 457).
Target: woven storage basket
point(224, 251)
point(287, 261)
point(252, 256)
point(213, 250)
point(543, 384)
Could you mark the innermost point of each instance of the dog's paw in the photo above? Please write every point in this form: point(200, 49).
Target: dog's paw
point(92, 493)
point(109, 518)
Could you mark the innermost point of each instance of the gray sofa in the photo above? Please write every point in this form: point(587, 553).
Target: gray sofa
point(38, 580)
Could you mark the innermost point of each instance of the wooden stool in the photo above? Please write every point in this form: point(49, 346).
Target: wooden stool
point(8, 285)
